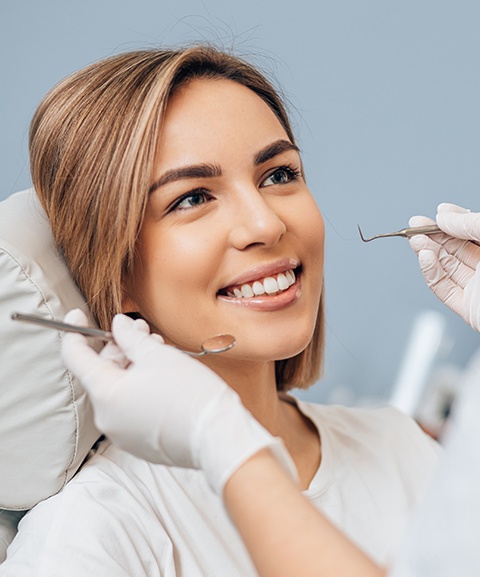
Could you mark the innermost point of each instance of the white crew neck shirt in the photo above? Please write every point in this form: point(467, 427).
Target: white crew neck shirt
point(121, 516)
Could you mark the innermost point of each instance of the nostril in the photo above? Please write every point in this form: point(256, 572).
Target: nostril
point(258, 233)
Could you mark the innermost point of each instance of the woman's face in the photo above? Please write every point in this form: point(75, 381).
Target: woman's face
point(232, 240)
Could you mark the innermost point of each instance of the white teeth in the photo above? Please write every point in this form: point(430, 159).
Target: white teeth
point(282, 282)
point(271, 285)
point(258, 288)
point(247, 291)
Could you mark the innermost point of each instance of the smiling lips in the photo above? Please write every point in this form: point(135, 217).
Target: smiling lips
point(276, 279)
point(269, 285)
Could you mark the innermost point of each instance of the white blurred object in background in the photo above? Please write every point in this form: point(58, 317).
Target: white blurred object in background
point(427, 341)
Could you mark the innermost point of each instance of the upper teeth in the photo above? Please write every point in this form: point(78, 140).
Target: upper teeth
point(269, 285)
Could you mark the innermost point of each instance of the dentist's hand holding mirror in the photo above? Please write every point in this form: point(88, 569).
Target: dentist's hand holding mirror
point(159, 404)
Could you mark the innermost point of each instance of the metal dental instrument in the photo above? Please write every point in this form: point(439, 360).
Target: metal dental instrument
point(212, 346)
point(405, 232)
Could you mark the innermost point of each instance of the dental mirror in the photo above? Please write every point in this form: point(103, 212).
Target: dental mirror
point(212, 346)
point(215, 345)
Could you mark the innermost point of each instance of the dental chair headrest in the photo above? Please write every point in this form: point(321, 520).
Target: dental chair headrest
point(46, 424)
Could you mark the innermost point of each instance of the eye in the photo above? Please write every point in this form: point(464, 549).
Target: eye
point(282, 175)
point(191, 200)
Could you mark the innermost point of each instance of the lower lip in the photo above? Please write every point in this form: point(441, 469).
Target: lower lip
point(268, 302)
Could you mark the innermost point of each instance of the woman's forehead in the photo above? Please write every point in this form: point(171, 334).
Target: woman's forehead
point(216, 115)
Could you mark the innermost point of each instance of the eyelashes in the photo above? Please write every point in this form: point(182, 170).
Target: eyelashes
point(280, 176)
point(191, 199)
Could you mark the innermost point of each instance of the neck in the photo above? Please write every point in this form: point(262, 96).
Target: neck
point(256, 386)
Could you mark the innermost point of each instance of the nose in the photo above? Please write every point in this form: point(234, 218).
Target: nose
point(255, 222)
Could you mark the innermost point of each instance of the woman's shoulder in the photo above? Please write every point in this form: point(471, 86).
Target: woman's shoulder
point(383, 445)
point(124, 516)
point(97, 523)
point(373, 426)
point(383, 417)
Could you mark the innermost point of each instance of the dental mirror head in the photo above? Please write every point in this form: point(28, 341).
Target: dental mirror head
point(212, 346)
point(215, 345)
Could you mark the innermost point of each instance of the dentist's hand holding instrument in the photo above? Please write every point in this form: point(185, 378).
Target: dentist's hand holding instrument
point(450, 262)
point(159, 404)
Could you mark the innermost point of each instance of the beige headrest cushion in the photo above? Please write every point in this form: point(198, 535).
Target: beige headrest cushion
point(46, 425)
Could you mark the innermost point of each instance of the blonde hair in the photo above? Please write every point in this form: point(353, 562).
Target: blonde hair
point(92, 147)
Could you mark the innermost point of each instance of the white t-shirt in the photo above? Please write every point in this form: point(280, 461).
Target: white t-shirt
point(121, 516)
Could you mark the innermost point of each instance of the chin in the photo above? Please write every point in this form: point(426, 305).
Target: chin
point(292, 352)
point(286, 347)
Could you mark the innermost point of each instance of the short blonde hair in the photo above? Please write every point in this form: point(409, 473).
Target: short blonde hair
point(92, 147)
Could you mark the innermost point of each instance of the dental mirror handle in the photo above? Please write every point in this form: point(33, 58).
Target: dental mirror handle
point(61, 326)
point(213, 345)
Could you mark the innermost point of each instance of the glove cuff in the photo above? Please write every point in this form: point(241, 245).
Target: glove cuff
point(228, 435)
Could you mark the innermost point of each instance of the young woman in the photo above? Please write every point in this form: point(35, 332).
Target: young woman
point(284, 534)
point(175, 190)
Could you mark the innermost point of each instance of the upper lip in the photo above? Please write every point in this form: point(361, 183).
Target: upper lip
point(260, 271)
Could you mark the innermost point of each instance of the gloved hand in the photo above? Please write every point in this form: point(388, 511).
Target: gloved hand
point(161, 405)
point(450, 262)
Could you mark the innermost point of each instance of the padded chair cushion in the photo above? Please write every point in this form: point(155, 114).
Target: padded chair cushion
point(46, 425)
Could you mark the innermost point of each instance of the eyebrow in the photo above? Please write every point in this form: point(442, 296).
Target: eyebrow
point(212, 170)
point(273, 150)
point(193, 171)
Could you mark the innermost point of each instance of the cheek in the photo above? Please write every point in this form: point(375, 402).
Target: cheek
point(310, 229)
point(174, 263)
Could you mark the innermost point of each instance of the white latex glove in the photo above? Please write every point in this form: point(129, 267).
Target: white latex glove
point(450, 262)
point(161, 405)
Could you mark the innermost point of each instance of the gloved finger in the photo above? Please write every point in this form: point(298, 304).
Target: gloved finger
point(459, 272)
point(433, 242)
point(74, 345)
point(472, 298)
point(416, 221)
point(420, 221)
point(465, 251)
point(142, 325)
point(453, 256)
point(135, 343)
point(440, 281)
point(421, 242)
point(76, 317)
point(83, 361)
point(87, 365)
point(114, 353)
point(111, 351)
point(449, 207)
point(460, 225)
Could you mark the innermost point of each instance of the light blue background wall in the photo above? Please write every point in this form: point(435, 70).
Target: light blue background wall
point(386, 101)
